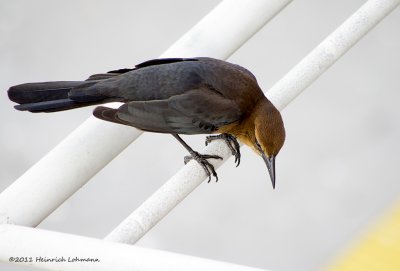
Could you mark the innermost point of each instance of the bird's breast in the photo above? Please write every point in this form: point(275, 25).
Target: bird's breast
point(242, 130)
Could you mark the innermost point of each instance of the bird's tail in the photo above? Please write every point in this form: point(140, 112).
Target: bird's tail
point(53, 96)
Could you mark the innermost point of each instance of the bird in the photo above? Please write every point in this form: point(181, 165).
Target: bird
point(199, 95)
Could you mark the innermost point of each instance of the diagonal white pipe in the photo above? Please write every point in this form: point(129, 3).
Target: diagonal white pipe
point(281, 94)
point(226, 28)
point(329, 51)
point(66, 168)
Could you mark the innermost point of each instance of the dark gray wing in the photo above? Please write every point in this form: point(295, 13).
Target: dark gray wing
point(198, 111)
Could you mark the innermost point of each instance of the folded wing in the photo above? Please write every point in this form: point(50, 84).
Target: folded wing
point(198, 111)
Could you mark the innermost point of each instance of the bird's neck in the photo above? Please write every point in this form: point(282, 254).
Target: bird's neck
point(244, 129)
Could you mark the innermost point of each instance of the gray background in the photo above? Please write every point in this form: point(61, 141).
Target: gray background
point(337, 173)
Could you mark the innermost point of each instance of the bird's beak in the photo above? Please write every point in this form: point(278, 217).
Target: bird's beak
point(270, 162)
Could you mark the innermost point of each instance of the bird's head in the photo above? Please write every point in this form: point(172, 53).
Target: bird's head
point(269, 135)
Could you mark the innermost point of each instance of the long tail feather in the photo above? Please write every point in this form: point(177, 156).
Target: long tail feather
point(51, 96)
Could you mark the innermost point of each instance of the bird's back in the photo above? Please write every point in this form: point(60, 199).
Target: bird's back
point(162, 81)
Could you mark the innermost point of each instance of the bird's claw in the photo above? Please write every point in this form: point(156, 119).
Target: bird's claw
point(202, 160)
point(232, 143)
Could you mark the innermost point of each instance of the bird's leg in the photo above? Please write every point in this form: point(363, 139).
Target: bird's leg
point(200, 158)
point(232, 143)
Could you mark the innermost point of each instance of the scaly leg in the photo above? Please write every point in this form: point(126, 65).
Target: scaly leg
point(200, 158)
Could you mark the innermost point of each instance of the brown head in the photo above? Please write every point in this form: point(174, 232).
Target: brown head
point(261, 129)
point(269, 134)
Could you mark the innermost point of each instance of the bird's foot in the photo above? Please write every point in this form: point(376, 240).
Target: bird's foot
point(202, 160)
point(232, 143)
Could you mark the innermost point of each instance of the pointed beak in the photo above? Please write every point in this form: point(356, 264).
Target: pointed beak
point(270, 162)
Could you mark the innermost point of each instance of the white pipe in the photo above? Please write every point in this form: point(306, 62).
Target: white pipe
point(166, 197)
point(36, 246)
point(64, 170)
point(329, 51)
point(302, 75)
point(52, 180)
point(226, 28)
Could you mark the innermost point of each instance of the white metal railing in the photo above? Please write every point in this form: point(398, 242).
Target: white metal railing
point(58, 175)
point(281, 94)
point(23, 204)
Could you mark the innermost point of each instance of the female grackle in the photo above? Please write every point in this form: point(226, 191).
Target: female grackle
point(176, 96)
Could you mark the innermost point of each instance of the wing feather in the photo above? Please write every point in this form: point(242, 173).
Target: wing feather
point(198, 111)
